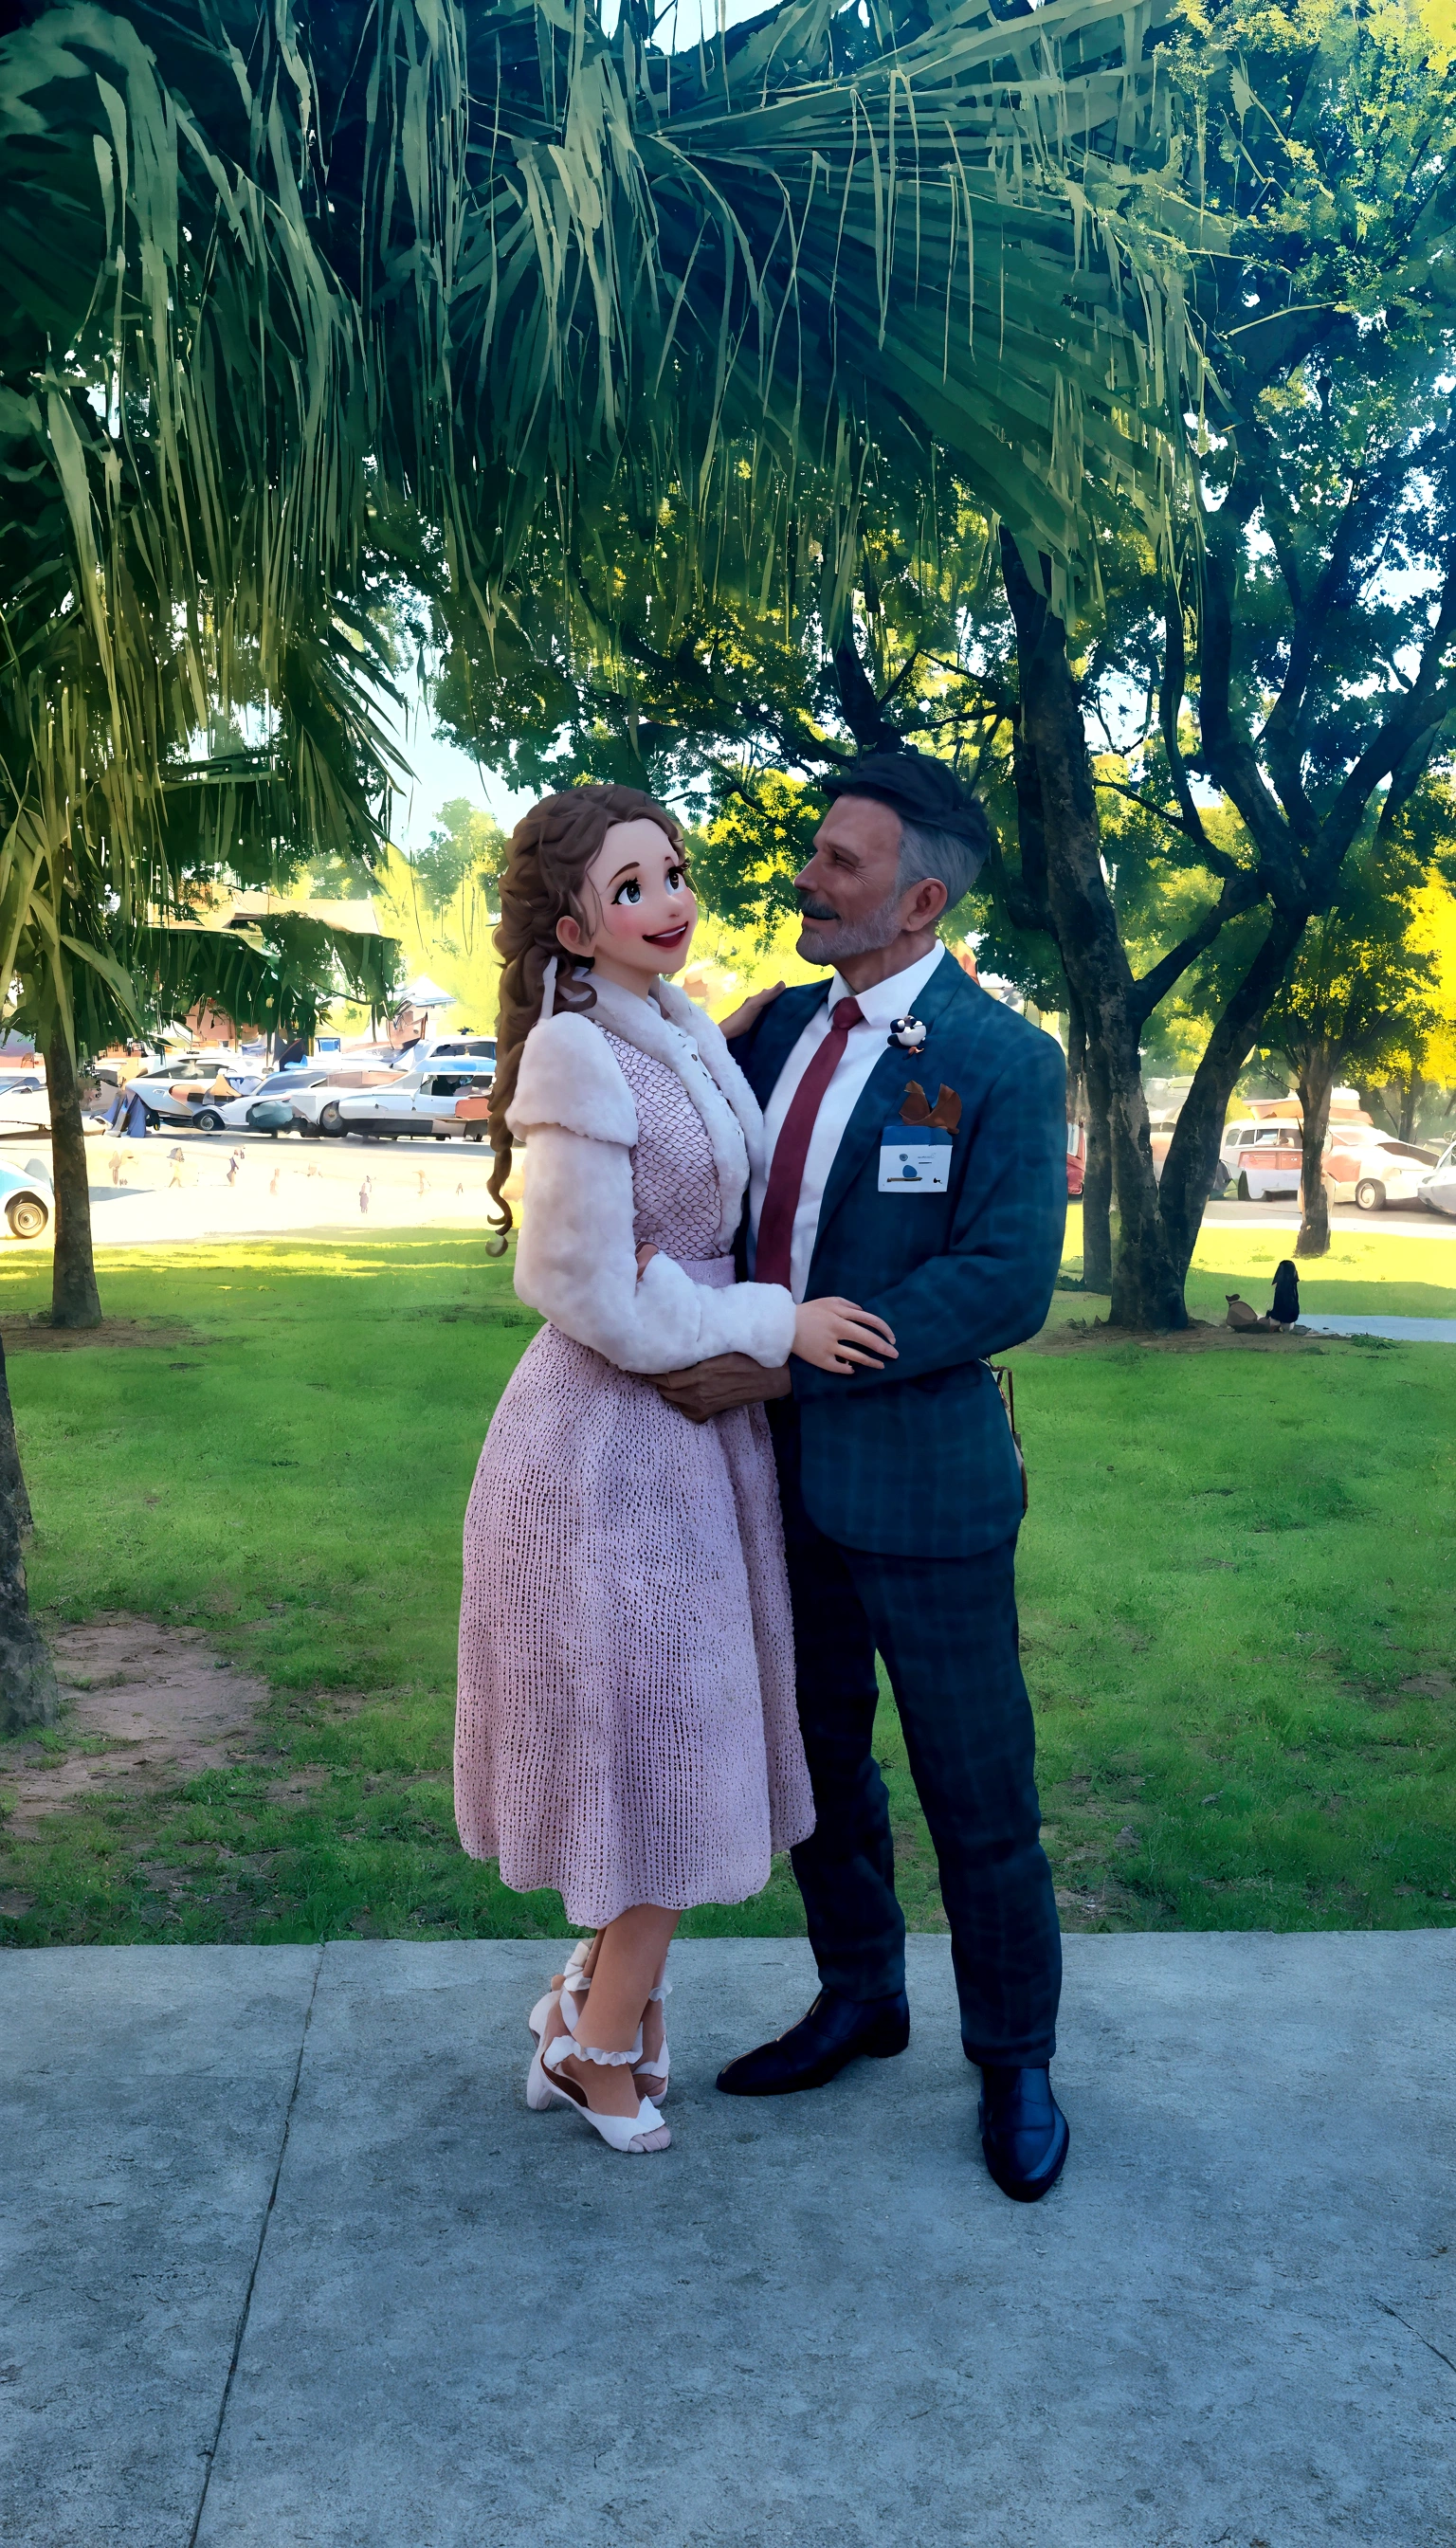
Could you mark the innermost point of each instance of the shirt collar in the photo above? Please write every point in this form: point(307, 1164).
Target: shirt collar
point(896, 995)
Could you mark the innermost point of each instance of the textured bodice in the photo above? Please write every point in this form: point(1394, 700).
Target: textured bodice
point(675, 1183)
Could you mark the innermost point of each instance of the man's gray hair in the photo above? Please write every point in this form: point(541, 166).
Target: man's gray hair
point(926, 851)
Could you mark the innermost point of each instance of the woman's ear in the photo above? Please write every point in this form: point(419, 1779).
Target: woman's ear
point(569, 931)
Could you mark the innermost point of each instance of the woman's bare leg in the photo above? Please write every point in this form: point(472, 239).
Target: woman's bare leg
point(627, 1962)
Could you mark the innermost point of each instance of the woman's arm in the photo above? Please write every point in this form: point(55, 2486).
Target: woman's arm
point(577, 1263)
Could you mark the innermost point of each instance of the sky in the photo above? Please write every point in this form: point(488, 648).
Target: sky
point(441, 772)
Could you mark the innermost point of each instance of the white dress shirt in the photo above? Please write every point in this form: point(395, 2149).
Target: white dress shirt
point(894, 997)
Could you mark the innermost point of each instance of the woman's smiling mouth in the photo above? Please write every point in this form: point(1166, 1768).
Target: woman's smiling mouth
point(666, 937)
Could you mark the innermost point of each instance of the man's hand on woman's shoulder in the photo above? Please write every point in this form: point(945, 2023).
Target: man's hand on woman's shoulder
point(741, 1019)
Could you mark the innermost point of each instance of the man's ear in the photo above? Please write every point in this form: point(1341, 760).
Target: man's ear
point(926, 902)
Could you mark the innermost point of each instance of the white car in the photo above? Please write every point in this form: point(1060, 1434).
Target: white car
point(1265, 1159)
point(460, 1046)
point(1438, 1190)
point(27, 1199)
point(421, 1101)
point(25, 1107)
point(1373, 1168)
point(305, 1093)
point(186, 1090)
point(1360, 1166)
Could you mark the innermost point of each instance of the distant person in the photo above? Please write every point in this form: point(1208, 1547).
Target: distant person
point(1285, 1310)
point(364, 1193)
point(293, 1055)
point(126, 1115)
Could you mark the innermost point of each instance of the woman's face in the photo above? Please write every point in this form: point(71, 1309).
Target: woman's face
point(646, 909)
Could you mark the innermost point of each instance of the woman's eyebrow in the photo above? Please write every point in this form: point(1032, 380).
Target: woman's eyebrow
point(630, 869)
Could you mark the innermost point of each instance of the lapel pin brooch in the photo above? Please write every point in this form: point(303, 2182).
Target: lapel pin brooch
point(907, 1035)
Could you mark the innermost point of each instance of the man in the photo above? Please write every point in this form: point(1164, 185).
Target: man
point(916, 1164)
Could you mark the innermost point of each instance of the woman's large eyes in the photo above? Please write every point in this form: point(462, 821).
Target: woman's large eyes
point(629, 892)
point(675, 879)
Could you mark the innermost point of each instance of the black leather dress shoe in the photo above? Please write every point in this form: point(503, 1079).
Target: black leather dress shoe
point(835, 2032)
point(1023, 2131)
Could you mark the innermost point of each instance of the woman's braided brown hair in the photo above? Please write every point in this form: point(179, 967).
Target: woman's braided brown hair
point(551, 849)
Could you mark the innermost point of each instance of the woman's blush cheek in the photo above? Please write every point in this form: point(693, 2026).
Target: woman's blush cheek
point(623, 921)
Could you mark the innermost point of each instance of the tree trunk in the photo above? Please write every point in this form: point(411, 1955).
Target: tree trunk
point(1097, 1186)
point(28, 1692)
point(1192, 1152)
point(13, 1491)
point(1314, 1078)
point(1146, 1286)
point(75, 1299)
point(1412, 1089)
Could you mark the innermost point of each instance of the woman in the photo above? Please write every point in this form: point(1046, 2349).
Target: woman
point(626, 1727)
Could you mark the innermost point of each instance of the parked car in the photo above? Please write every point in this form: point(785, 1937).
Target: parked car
point(27, 1199)
point(1372, 1168)
point(1438, 1191)
point(186, 1090)
point(1360, 1164)
point(421, 1101)
point(24, 1106)
point(1263, 1160)
point(286, 1100)
point(460, 1046)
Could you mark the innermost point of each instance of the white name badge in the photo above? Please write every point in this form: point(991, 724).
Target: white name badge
point(914, 1159)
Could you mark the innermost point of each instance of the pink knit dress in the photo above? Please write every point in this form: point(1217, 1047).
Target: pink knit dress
point(626, 1729)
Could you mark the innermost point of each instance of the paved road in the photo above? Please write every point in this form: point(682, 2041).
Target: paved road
point(1342, 1216)
point(176, 1186)
point(287, 2264)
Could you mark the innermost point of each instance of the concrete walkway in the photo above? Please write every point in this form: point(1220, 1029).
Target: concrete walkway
point(1408, 1331)
point(289, 2265)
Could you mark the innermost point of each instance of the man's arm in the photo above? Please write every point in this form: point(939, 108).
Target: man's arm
point(729, 1380)
point(992, 1285)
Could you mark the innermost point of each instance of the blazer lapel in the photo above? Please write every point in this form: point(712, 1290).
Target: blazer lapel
point(883, 1093)
point(780, 1032)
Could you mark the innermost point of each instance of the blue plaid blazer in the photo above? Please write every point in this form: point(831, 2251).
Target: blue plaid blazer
point(917, 1460)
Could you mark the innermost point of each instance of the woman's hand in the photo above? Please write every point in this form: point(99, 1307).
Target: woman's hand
point(837, 1336)
point(645, 1255)
point(743, 1018)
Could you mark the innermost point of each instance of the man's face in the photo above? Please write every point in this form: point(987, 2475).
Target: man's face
point(848, 893)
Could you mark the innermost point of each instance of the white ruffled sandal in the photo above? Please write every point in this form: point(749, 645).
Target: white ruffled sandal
point(635, 2135)
point(660, 2068)
point(538, 2094)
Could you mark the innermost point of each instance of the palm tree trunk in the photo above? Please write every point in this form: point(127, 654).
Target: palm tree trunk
point(12, 1489)
point(75, 1299)
point(28, 1692)
point(1315, 1079)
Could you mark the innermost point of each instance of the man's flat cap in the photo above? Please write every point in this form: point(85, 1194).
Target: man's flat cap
point(919, 789)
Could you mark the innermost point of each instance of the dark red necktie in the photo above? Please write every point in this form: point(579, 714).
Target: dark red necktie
point(791, 1150)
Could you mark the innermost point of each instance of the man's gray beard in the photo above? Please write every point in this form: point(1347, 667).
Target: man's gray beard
point(865, 936)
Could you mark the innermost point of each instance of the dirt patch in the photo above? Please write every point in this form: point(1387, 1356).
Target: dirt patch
point(146, 1708)
point(24, 1334)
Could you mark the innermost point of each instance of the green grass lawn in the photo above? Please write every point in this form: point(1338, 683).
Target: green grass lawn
point(1237, 1585)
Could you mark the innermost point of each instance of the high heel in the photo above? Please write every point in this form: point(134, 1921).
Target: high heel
point(660, 2068)
point(538, 2094)
point(548, 1999)
point(634, 2136)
